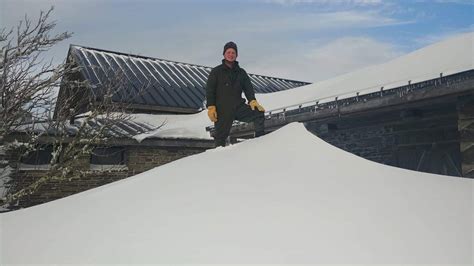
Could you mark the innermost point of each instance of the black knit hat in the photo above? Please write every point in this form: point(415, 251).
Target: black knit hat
point(230, 45)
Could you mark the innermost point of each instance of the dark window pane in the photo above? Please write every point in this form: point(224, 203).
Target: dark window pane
point(42, 155)
point(108, 156)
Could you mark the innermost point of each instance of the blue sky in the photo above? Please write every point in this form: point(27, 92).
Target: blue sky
point(307, 40)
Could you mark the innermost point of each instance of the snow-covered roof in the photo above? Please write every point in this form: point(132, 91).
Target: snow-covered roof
point(137, 126)
point(450, 56)
point(266, 200)
point(183, 126)
point(119, 128)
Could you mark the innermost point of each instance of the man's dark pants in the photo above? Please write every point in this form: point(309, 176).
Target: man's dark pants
point(243, 113)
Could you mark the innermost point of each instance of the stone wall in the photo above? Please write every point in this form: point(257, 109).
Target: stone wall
point(57, 189)
point(139, 159)
point(424, 139)
point(466, 131)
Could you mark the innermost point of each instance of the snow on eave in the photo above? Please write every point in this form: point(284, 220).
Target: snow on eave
point(183, 127)
point(450, 56)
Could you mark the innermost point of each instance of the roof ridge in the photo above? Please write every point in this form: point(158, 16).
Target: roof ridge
point(135, 55)
point(175, 62)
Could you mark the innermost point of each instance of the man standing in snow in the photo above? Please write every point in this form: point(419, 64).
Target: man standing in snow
point(224, 97)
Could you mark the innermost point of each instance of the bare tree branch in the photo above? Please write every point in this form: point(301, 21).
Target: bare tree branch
point(26, 86)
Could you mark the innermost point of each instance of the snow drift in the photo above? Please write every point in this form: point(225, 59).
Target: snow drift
point(287, 197)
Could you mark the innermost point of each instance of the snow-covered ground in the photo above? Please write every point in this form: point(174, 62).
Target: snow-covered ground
point(287, 197)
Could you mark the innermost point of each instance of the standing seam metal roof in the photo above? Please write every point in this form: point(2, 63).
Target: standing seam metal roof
point(158, 82)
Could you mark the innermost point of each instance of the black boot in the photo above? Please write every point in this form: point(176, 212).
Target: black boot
point(219, 143)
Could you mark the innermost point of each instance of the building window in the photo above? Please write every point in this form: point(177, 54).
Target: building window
point(108, 158)
point(38, 159)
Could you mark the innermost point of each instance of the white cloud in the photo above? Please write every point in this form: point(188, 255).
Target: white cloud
point(314, 22)
point(447, 33)
point(462, 2)
point(318, 61)
point(326, 2)
point(350, 53)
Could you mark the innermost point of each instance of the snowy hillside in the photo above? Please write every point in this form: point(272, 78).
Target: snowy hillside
point(448, 57)
point(266, 200)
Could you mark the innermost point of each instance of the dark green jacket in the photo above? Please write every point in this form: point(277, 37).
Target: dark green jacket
point(225, 86)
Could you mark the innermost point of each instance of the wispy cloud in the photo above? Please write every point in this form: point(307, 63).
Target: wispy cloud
point(462, 2)
point(326, 2)
point(319, 60)
point(293, 21)
point(428, 39)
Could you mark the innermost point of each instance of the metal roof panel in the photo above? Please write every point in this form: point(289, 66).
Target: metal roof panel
point(158, 82)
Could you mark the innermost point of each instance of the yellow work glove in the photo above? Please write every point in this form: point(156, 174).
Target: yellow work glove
point(254, 104)
point(212, 113)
